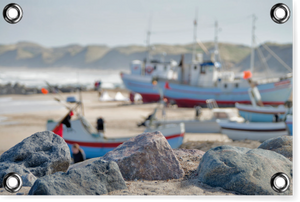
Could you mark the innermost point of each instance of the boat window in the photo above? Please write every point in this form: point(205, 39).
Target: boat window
point(236, 85)
point(195, 67)
point(202, 69)
point(154, 67)
point(225, 85)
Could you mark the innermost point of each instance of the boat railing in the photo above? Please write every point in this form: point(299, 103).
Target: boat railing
point(272, 80)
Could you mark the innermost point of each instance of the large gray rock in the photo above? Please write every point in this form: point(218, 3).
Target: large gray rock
point(41, 154)
point(147, 156)
point(83, 163)
point(98, 177)
point(243, 170)
point(282, 145)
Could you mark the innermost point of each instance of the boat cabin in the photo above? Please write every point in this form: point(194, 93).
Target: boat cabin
point(203, 74)
point(155, 68)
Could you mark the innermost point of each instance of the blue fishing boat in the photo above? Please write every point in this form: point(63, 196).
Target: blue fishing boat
point(261, 114)
point(258, 112)
point(191, 84)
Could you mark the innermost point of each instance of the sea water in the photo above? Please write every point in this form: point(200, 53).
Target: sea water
point(61, 77)
point(10, 106)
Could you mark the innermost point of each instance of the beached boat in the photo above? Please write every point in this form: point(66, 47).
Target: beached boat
point(204, 125)
point(257, 112)
point(289, 123)
point(192, 84)
point(226, 92)
point(95, 144)
point(261, 114)
point(253, 130)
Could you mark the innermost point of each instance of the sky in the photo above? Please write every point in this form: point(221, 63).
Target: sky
point(54, 23)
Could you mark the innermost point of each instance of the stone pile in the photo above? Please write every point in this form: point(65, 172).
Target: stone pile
point(43, 162)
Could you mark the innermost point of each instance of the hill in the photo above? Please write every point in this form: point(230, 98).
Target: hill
point(32, 55)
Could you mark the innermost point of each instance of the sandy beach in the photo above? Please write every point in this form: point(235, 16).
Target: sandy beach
point(121, 120)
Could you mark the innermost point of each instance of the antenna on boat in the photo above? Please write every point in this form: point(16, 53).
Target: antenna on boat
point(195, 36)
point(80, 95)
point(217, 53)
point(253, 43)
point(148, 39)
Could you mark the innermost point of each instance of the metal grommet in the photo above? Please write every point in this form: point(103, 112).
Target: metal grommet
point(12, 182)
point(280, 13)
point(12, 13)
point(280, 182)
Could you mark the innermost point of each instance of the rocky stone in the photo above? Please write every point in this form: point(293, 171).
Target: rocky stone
point(189, 160)
point(96, 178)
point(282, 145)
point(243, 170)
point(83, 163)
point(28, 179)
point(41, 154)
point(147, 156)
point(196, 153)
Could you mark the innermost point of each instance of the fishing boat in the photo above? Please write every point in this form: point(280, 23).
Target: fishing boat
point(95, 144)
point(204, 124)
point(192, 84)
point(80, 131)
point(258, 112)
point(253, 130)
point(261, 114)
point(289, 123)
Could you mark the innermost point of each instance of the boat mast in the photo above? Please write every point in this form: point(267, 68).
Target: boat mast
point(195, 36)
point(253, 43)
point(216, 42)
point(148, 39)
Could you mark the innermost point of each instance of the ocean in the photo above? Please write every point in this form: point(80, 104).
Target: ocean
point(61, 77)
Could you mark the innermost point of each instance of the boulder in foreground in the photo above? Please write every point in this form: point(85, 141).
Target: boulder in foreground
point(282, 145)
point(41, 154)
point(243, 170)
point(147, 156)
point(97, 178)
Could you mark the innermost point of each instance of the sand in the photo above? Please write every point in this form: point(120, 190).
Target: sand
point(121, 121)
point(121, 117)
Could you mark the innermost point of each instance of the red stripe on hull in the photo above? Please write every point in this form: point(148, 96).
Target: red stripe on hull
point(254, 130)
point(192, 103)
point(109, 144)
point(94, 144)
point(150, 97)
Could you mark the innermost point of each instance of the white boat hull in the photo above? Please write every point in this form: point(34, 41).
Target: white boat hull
point(195, 126)
point(253, 131)
point(95, 145)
